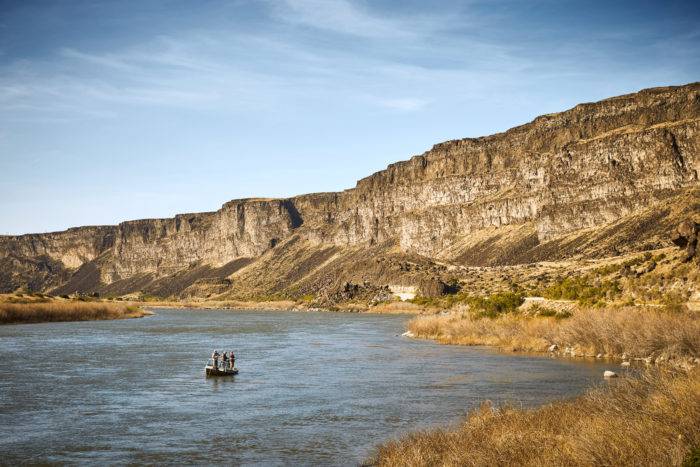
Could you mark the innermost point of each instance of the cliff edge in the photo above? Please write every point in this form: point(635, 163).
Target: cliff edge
point(600, 179)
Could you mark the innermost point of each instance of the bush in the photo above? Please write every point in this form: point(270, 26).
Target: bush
point(674, 303)
point(491, 306)
point(581, 290)
point(444, 302)
point(658, 258)
point(496, 304)
point(546, 312)
point(608, 269)
point(143, 297)
point(693, 458)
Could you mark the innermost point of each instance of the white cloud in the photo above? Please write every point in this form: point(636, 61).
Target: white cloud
point(406, 104)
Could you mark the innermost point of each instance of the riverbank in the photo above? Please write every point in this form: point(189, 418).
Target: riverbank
point(647, 420)
point(44, 310)
point(646, 334)
point(650, 420)
point(287, 305)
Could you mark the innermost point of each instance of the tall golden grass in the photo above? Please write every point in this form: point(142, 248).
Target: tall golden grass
point(651, 420)
point(13, 313)
point(637, 332)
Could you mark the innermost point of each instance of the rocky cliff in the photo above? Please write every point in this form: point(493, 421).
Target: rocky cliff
point(598, 179)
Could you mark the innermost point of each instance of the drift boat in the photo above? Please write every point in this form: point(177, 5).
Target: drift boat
point(220, 370)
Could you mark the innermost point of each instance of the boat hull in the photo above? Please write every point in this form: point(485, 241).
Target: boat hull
point(209, 371)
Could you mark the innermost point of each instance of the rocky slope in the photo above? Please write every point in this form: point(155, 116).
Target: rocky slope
point(600, 179)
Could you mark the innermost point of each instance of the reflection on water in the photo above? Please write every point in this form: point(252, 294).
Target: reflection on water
point(313, 387)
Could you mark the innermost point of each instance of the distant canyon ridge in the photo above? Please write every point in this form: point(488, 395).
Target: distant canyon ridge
point(601, 179)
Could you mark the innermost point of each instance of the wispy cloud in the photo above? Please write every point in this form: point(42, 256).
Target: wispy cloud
point(340, 16)
point(227, 69)
point(406, 104)
point(105, 60)
point(407, 62)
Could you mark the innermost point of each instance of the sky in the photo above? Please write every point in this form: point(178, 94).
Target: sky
point(111, 111)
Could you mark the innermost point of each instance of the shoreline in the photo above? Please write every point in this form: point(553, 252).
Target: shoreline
point(645, 336)
point(36, 310)
point(289, 305)
point(649, 419)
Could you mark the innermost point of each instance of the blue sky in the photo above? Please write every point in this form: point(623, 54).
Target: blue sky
point(111, 111)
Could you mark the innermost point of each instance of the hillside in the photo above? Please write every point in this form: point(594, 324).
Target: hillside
point(599, 180)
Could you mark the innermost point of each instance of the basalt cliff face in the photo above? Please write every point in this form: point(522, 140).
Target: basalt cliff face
point(597, 180)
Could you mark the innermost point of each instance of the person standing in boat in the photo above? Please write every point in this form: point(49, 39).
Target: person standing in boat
point(232, 359)
point(224, 360)
point(215, 357)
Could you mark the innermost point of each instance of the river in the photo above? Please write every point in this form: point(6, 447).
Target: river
point(313, 388)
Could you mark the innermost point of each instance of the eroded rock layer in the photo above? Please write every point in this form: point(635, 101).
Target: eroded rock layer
point(598, 179)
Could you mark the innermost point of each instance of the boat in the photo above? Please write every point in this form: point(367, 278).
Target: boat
point(219, 370)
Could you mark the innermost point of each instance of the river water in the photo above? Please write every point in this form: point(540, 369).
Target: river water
point(313, 388)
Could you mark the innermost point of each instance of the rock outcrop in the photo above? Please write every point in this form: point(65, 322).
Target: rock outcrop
point(687, 236)
point(594, 180)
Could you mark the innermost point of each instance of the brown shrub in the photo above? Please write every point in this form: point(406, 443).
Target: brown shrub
point(651, 420)
point(13, 313)
point(638, 332)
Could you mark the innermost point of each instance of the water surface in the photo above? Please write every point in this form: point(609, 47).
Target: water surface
point(313, 388)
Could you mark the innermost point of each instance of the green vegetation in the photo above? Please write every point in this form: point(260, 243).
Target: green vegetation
point(608, 269)
point(442, 302)
point(584, 290)
point(496, 304)
point(546, 312)
point(144, 297)
point(491, 306)
point(436, 302)
point(307, 298)
point(693, 458)
point(674, 302)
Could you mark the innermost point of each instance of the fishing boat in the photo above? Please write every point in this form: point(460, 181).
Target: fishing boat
point(219, 370)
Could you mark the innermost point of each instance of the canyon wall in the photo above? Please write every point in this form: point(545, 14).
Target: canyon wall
point(579, 169)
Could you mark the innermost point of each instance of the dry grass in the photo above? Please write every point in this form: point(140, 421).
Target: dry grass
point(637, 332)
point(40, 312)
point(652, 420)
